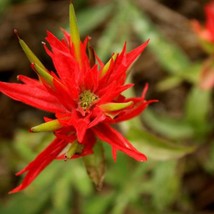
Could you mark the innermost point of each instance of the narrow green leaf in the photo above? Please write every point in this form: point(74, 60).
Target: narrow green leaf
point(91, 18)
point(190, 73)
point(170, 56)
point(98, 204)
point(166, 173)
point(157, 148)
point(74, 32)
point(61, 193)
point(168, 83)
point(3, 5)
point(30, 55)
point(173, 128)
point(109, 42)
point(197, 107)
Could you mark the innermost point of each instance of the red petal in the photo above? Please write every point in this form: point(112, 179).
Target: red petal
point(98, 116)
point(56, 43)
point(32, 93)
point(73, 120)
point(132, 55)
point(139, 105)
point(41, 161)
point(66, 96)
point(117, 141)
point(119, 68)
point(209, 10)
point(91, 78)
point(65, 65)
point(111, 92)
point(88, 142)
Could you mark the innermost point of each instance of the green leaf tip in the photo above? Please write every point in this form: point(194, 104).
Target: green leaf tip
point(108, 64)
point(74, 33)
point(30, 55)
point(47, 127)
point(115, 106)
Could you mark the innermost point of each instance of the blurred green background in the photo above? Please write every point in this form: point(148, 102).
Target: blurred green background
point(177, 133)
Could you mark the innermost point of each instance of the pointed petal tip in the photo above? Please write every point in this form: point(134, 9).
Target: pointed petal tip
point(144, 158)
point(17, 189)
point(18, 77)
point(15, 31)
point(12, 191)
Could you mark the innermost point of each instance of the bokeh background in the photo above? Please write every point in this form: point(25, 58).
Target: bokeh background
point(177, 133)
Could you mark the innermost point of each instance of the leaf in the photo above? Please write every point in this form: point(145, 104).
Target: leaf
point(197, 107)
point(98, 204)
point(28, 202)
point(3, 5)
point(130, 190)
point(172, 128)
point(27, 144)
point(208, 162)
point(166, 180)
point(168, 83)
point(157, 148)
point(170, 56)
point(109, 41)
point(80, 179)
point(61, 193)
point(95, 165)
point(91, 18)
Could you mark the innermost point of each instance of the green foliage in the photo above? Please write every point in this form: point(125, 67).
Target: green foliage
point(198, 106)
point(173, 128)
point(88, 19)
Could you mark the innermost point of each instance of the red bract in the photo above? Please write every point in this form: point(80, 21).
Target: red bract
point(207, 32)
point(84, 96)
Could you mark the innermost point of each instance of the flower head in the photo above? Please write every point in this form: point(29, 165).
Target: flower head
point(85, 97)
point(206, 33)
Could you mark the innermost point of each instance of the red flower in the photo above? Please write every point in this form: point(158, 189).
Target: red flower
point(207, 32)
point(85, 98)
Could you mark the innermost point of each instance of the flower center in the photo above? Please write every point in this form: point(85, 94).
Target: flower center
point(86, 99)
